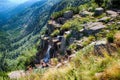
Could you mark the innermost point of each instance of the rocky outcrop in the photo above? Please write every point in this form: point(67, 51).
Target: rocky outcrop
point(96, 26)
point(52, 25)
point(93, 27)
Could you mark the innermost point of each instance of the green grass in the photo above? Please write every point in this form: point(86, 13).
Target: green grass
point(82, 67)
point(55, 33)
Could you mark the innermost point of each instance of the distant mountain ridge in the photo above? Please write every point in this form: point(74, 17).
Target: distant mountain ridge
point(9, 9)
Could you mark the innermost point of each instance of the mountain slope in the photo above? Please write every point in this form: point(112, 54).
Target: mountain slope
point(23, 32)
point(10, 9)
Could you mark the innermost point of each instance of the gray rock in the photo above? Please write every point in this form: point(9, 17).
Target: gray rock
point(111, 13)
point(85, 13)
point(118, 12)
point(93, 27)
point(118, 23)
point(96, 26)
point(104, 19)
point(52, 25)
point(98, 11)
point(68, 14)
point(44, 42)
point(68, 32)
point(71, 40)
point(63, 45)
point(61, 20)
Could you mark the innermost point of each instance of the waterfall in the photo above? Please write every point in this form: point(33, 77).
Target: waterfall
point(47, 55)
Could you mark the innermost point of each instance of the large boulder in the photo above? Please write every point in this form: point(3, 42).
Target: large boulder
point(98, 11)
point(93, 27)
point(68, 14)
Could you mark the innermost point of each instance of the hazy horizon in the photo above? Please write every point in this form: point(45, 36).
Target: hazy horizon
point(18, 1)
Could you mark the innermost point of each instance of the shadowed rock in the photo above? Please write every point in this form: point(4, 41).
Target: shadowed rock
point(68, 14)
point(98, 11)
point(61, 20)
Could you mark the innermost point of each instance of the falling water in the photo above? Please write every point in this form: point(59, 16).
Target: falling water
point(47, 55)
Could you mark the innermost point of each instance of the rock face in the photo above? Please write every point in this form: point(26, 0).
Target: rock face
point(52, 25)
point(96, 26)
point(63, 45)
point(98, 11)
point(68, 14)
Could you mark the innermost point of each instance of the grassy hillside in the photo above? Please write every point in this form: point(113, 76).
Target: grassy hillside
point(94, 52)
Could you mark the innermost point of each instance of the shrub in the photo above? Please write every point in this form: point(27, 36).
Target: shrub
point(66, 26)
point(57, 14)
point(75, 10)
point(110, 38)
point(88, 41)
point(74, 24)
point(72, 46)
point(55, 33)
point(91, 38)
point(3, 76)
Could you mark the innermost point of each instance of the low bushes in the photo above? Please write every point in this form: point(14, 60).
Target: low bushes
point(55, 33)
point(110, 38)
